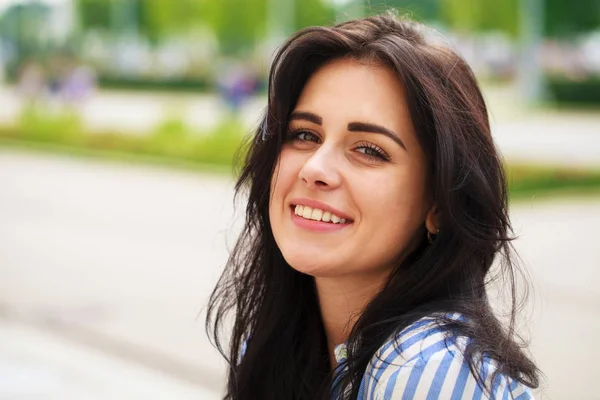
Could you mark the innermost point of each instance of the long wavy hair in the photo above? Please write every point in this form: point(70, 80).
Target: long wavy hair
point(277, 348)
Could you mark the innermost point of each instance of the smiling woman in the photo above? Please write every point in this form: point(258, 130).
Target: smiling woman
point(346, 158)
point(377, 204)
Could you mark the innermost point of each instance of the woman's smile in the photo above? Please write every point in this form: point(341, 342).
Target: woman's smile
point(317, 216)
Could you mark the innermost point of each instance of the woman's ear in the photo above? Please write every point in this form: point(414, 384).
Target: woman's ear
point(432, 220)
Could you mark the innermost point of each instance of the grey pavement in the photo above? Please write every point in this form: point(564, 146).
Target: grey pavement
point(120, 260)
point(123, 257)
point(559, 138)
point(36, 364)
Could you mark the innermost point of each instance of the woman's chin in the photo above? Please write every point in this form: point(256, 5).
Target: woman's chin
point(312, 265)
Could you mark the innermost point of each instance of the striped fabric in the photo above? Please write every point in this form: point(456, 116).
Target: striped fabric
point(423, 363)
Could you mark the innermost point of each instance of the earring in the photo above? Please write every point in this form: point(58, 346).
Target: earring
point(431, 237)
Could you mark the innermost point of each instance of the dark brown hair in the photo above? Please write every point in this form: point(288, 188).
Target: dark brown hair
point(278, 347)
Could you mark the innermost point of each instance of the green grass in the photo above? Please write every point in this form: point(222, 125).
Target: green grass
point(114, 156)
point(531, 181)
point(174, 144)
point(170, 143)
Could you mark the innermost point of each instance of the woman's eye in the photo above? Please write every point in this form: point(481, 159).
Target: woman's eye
point(303, 136)
point(372, 151)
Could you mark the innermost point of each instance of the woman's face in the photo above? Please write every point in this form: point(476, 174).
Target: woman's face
point(349, 192)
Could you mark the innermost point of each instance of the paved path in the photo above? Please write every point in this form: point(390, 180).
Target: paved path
point(39, 365)
point(122, 259)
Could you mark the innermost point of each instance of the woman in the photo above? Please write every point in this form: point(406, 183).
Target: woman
point(377, 204)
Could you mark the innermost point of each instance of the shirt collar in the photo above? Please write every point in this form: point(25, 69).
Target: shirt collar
point(340, 352)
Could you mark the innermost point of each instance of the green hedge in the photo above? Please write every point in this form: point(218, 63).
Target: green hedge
point(528, 181)
point(170, 140)
point(566, 91)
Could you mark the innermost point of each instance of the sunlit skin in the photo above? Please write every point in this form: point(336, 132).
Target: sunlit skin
point(378, 180)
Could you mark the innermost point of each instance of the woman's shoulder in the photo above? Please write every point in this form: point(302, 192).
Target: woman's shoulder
point(426, 361)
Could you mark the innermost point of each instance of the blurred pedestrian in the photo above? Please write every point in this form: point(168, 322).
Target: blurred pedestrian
point(236, 83)
point(31, 81)
point(78, 85)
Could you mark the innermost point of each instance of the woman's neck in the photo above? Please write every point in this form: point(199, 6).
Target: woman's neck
point(342, 301)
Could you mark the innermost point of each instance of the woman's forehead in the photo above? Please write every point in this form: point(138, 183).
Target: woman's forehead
point(347, 90)
point(354, 78)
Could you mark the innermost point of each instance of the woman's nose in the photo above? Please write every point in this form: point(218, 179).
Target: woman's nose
point(321, 170)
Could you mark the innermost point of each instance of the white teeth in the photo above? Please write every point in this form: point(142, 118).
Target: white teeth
point(316, 214)
point(307, 212)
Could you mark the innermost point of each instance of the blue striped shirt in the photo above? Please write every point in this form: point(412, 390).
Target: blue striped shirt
point(423, 362)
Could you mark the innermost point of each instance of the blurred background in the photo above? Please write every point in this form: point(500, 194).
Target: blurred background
point(119, 125)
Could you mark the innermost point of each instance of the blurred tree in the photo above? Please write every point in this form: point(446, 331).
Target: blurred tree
point(567, 17)
point(563, 18)
point(312, 12)
point(421, 10)
point(23, 22)
point(501, 15)
point(159, 18)
point(238, 24)
point(477, 15)
point(93, 14)
point(22, 30)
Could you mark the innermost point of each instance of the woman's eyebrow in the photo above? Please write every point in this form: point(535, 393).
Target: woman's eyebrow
point(367, 127)
point(308, 116)
point(352, 126)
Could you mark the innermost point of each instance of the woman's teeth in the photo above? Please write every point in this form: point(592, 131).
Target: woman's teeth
point(317, 214)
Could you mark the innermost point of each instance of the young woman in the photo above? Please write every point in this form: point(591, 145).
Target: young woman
point(376, 206)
